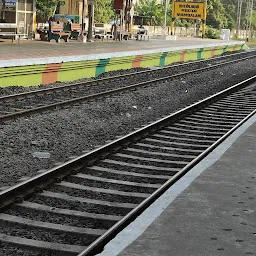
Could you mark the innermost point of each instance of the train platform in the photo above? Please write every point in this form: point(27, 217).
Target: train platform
point(210, 211)
point(40, 62)
point(41, 52)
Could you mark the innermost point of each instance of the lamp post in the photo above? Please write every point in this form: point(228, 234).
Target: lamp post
point(165, 15)
point(204, 19)
point(173, 18)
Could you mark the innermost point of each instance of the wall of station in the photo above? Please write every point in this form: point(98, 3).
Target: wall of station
point(67, 71)
point(21, 14)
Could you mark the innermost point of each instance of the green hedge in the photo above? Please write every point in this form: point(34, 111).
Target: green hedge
point(212, 33)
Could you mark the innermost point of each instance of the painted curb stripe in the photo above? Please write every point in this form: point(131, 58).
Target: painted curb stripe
point(199, 53)
point(50, 74)
point(225, 49)
point(162, 59)
point(137, 61)
point(101, 67)
point(182, 56)
point(212, 51)
point(172, 57)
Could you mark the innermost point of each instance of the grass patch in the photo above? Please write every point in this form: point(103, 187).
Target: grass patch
point(251, 43)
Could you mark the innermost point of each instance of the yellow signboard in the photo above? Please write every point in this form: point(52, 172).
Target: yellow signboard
point(189, 10)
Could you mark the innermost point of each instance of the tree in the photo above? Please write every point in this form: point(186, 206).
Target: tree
point(254, 20)
point(216, 15)
point(230, 7)
point(230, 13)
point(103, 11)
point(47, 8)
point(151, 8)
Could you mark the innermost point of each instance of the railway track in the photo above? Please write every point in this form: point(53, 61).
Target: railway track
point(17, 105)
point(78, 207)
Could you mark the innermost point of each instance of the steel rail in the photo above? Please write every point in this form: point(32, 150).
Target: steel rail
point(98, 245)
point(64, 87)
point(109, 92)
point(35, 183)
point(16, 193)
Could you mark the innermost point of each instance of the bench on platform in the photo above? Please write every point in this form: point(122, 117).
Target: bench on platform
point(141, 37)
point(10, 29)
point(12, 34)
point(101, 33)
point(108, 36)
point(103, 36)
point(56, 32)
point(76, 30)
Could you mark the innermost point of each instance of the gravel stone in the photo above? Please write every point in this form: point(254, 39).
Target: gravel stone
point(56, 218)
point(132, 169)
point(96, 195)
point(77, 206)
point(113, 186)
point(41, 234)
point(120, 176)
point(6, 249)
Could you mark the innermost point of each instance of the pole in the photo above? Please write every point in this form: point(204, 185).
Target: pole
point(239, 12)
point(249, 13)
point(247, 17)
point(131, 21)
point(204, 19)
point(173, 18)
point(34, 20)
point(81, 37)
point(131, 18)
point(83, 7)
point(165, 16)
point(172, 26)
point(250, 23)
point(90, 23)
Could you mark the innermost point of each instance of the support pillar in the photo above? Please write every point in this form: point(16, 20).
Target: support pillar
point(90, 21)
point(203, 28)
point(172, 26)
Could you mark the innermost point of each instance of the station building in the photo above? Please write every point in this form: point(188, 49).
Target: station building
point(18, 16)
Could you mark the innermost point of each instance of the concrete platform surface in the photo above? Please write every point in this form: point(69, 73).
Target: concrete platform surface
point(37, 62)
point(41, 52)
point(215, 214)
